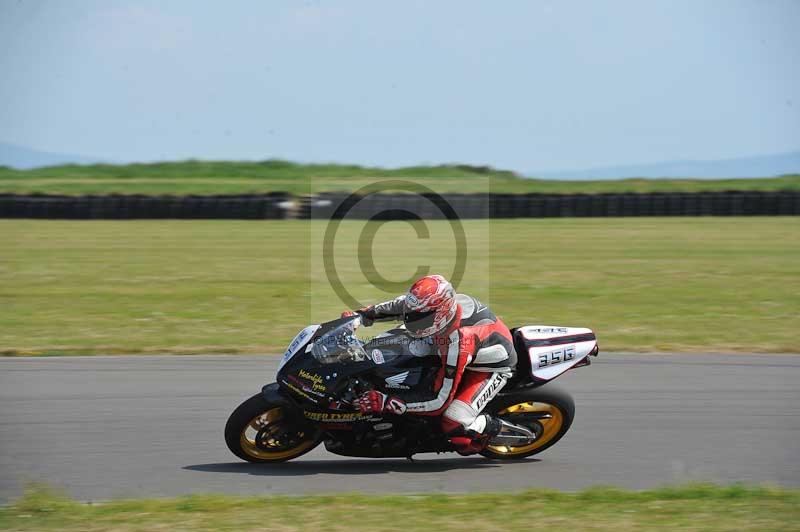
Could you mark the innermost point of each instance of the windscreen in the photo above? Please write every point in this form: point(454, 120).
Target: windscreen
point(339, 345)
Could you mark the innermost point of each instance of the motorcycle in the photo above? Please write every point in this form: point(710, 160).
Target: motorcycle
point(326, 367)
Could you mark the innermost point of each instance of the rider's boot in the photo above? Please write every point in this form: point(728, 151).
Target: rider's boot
point(476, 437)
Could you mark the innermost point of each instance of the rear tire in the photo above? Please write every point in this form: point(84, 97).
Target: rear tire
point(556, 407)
point(261, 432)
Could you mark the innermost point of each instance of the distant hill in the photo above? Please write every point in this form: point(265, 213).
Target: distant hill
point(20, 157)
point(231, 177)
point(759, 166)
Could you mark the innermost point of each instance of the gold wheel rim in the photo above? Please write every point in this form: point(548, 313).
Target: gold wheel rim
point(266, 420)
point(551, 426)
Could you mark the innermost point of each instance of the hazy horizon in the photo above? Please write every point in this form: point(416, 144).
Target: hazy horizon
point(768, 165)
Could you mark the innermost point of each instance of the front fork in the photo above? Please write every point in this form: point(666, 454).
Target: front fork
point(275, 396)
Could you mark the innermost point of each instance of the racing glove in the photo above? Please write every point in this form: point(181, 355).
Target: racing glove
point(375, 401)
point(365, 321)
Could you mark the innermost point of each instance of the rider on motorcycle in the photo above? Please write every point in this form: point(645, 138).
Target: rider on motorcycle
point(477, 358)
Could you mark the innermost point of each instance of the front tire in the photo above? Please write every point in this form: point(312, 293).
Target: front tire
point(546, 411)
point(261, 432)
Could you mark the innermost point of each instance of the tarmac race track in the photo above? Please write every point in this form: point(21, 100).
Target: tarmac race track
point(107, 427)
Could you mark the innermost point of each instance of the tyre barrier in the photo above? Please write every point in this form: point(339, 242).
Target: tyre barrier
point(384, 206)
point(425, 206)
point(128, 207)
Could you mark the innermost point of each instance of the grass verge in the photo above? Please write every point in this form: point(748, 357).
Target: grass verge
point(663, 284)
point(220, 177)
point(696, 507)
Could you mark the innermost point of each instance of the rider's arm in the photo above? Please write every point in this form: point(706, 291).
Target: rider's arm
point(386, 311)
point(434, 401)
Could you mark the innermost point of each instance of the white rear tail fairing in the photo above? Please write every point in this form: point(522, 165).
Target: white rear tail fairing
point(554, 350)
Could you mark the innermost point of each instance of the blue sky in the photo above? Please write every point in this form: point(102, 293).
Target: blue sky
point(536, 85)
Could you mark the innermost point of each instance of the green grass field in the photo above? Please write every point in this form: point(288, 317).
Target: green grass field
point(676, 284)
point(701, 507)
point(201, 177)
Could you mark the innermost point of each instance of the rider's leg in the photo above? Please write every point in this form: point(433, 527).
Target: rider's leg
point(469, 430)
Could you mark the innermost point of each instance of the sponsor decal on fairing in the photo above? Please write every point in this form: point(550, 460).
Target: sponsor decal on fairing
point(396, 381)
point(377, 356)
point(301, 338)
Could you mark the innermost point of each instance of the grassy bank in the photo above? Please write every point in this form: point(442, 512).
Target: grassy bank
point(679, 284)
point(686, 508)
point(196, 177)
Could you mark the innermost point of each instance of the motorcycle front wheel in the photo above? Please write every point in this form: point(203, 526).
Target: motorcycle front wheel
point(260, 432)
point(547, 412)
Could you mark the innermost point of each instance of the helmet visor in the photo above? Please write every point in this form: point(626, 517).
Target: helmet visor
point(418, 321)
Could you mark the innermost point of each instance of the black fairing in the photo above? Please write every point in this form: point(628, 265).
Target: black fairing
point(324, 394)
point(324, 386)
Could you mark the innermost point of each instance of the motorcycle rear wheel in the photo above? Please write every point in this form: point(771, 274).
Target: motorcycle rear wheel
point(546, 411)
point(260, 432)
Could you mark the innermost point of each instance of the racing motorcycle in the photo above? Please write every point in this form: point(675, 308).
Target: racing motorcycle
point(326, 367)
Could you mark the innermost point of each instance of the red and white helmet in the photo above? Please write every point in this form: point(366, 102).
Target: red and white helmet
point(430, 306)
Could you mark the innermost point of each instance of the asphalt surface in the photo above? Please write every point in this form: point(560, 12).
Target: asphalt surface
point(107, 427)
